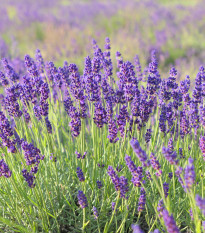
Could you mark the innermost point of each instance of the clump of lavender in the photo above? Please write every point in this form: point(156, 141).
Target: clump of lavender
point(80, 174)
point(142, 200)
point(200, 203)
point(4, 169)
point(138, 150)
point(189, 174)
point(82, 199)
point(170, 222)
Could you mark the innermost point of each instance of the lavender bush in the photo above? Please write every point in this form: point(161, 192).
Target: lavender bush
point(101, 150)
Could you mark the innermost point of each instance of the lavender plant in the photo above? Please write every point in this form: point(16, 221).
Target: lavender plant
point(102, 151)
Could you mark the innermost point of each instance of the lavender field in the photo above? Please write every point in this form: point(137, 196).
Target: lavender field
point(102, 116)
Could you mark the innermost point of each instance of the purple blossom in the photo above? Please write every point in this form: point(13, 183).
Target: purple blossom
point(136, 171)
point(189, 174)
point(113, 130)
point(4, 169)
point(136, 229)
point(95, 212)
point(142, 200)
point(138, 150)
point(99, 184)
point(200, 203)
point(148, 135)
point(80, 174)
point(170, 222)
point(170, 156)
point(166, 189)
point(160, 207)
point(82, 199)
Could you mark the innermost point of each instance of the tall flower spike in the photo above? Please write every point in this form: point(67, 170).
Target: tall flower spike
point(82, 199)
point(189, 174)
point(202, 146)
point(4, 169)
point(95, 212)
point(138, 150)
point(200, 203)
point(136, 229)
point(170, 222)
point(142, 200)
point(80, 174)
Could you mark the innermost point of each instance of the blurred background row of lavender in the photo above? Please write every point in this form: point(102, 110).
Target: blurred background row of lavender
point(63, 30)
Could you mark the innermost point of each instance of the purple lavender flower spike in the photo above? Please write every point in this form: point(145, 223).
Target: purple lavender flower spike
point(136, 229)
point(122, 118)
point(156, 231)
point(170, 222)
point(200, 203)
point(160, 207)
point(170, 156)
point(189, 175)
point(155, 164)
point(112, 131)
point(75, 123)
point(10, 72)
point(4, 169)
point(148, 135)
point(138, 150)
point(82, 199)
point(114, 177)
point(80, 174)
point(202, 146)
point(39, 62)
point(142, 200)
point(95, 212)
point(29, 177)
point(99, 115)
point(124, 188)
point(99, 184)
point(166, 189)
point(136, 171)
